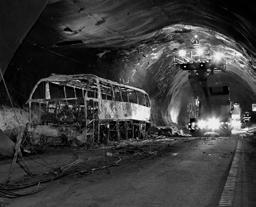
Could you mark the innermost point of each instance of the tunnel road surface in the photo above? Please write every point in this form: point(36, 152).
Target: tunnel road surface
point(245, 190)
point(193, 173)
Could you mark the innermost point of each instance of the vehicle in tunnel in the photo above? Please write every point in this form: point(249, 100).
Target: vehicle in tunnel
point(246, 119)
point(86, 109)
point(236, 119)
point(214, 113)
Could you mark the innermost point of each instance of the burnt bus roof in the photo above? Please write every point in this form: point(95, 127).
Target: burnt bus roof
point(67, 79)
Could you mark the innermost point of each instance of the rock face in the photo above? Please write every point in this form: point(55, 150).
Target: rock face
point(120, 23)
point(12, 118)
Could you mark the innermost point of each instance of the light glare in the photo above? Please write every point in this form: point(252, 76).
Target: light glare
point(199, 51)
point(202, 124)
point(182, 53)
point(236, 124)
point(218, 56)
point(213, 123)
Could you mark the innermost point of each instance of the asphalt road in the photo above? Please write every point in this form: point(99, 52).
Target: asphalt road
point(245, 190)
point(191, 173)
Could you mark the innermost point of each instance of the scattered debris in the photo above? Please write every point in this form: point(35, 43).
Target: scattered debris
point(153, 153)
point(109, 154)
point(10, 149)
point(80, 167)
point(168, 131)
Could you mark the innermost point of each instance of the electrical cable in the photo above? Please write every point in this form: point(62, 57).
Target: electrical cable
point(12, 190)
point(8, 191)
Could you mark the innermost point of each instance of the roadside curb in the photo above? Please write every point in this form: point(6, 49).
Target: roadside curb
point(227, 196)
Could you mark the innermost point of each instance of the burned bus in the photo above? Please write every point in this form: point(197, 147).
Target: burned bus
point(86, 109)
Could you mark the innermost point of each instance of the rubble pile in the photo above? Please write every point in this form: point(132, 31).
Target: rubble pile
point(167, 131)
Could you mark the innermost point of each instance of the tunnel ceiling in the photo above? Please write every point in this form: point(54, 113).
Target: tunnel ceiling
point(69, 29)
point(135, 41)
point(100, 23)
point(77, 24)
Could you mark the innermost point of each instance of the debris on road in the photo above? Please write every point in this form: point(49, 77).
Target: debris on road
point(87, 162)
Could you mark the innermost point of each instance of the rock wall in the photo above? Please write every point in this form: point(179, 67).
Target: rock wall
point(12, 118)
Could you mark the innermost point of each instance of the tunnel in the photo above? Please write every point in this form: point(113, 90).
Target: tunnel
point(175, 51)
point(133, 43)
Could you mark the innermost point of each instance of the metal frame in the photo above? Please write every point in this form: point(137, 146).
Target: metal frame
point(94, 108)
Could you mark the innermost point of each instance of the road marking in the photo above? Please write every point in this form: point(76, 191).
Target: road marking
point(227, 196)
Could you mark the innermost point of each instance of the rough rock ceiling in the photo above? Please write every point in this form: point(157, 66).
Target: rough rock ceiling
point(134, 41)
point(69, 27)
point(125, 22)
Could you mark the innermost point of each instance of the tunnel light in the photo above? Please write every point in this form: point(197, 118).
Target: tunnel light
point(182, 53)
point(213, 123)
point(217, 56)
point(202, 124)
point(199, 51)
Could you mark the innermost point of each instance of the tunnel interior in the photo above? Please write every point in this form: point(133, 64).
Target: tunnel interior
point(127, 102)
point(136, 43)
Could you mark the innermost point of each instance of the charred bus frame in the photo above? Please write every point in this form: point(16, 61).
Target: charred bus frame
point(88, 109)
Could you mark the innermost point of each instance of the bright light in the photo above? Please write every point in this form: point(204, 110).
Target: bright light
point(210, 124)
point(202, 124)
point(235, 116)
point(235, 124)
point(217, 56)
point(213, 123)
point(182, 53)
point(199, 51)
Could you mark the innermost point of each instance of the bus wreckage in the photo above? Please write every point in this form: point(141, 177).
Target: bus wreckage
point(85, 110)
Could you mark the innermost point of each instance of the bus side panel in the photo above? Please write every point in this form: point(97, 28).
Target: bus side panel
point(123, 111)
